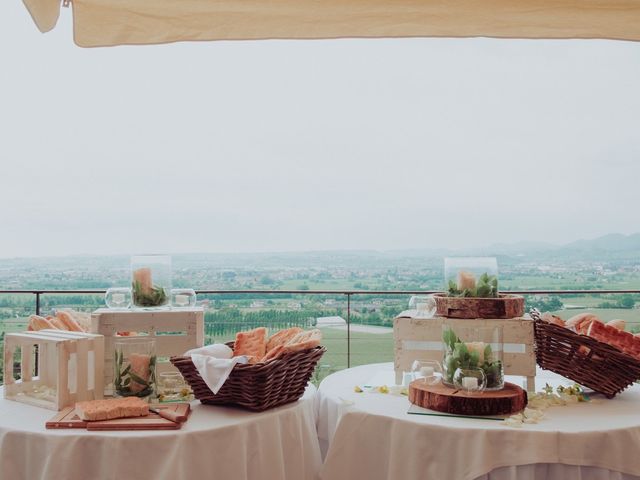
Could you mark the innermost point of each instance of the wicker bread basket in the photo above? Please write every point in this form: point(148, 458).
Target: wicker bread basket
point(583, 359)
point(258, 386)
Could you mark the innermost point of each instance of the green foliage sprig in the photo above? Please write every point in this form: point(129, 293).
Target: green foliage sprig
point(156, 297)
point(487, 287)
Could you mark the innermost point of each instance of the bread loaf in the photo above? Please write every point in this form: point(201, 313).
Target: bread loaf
point(109, 409)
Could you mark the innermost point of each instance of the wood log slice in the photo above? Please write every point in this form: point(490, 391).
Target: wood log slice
point(439, 397)
point(505, 306)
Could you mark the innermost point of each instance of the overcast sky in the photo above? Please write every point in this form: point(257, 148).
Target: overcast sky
point(283, 145)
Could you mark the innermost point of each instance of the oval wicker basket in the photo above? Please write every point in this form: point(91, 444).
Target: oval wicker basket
point(257, 386)
point(583, 359)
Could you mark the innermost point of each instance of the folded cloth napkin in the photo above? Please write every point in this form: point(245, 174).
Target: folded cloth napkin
point(218, 350)
point(214, 371)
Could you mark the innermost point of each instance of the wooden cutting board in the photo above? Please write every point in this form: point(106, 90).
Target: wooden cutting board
point(67, 418)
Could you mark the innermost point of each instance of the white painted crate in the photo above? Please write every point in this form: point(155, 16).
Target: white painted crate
point(175, 332)
point(421, 339)
point(69, 368)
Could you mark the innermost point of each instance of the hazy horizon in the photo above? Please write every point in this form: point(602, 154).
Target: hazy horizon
point(285, 146)
point(436, 250)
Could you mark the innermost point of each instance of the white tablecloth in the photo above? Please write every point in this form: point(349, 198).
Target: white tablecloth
point(215, 443)
point(375, 438)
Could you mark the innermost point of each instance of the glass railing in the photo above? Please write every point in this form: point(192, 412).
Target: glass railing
point(357, 326)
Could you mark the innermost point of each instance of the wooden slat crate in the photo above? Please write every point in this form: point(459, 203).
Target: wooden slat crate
point(421, 339)
point(69, 368)
point(175, 332)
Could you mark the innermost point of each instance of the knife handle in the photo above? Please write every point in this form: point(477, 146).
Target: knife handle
point(169, 415)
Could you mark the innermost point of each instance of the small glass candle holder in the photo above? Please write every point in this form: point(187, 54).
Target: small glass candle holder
point(170, 385)
point(118, 298)
point(425, 305)
point(472, 381)
point(135, 368)
point(429, 371)
point(183, 298)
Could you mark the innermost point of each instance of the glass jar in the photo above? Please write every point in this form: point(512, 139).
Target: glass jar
point(424, 305)
point(150, 280)
point(183, 298)
point(470, 348)
point(118, 298)
point(471, 277)
point(135, 367)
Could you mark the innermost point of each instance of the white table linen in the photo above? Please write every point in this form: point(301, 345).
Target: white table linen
point(368, 435)
point(216, 443)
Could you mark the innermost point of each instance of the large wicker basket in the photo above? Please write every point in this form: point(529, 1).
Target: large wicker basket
point(260, 386)
point(583, 359)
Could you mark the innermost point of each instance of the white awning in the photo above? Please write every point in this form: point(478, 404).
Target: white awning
point(122, 22)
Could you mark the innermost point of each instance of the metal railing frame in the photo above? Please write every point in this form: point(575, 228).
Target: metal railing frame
point(347, 293)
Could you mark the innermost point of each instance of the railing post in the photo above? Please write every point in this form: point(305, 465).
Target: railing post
point(37, 303)
point(348, 330)
point(36, 349)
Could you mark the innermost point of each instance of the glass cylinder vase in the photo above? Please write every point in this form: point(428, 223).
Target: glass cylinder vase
point(150, 280)
point(471, 277)
point(473, 348)
point(135, 368)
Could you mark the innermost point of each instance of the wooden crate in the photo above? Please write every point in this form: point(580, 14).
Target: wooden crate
point(421, 339)
point(69, 368)
point(175, 332)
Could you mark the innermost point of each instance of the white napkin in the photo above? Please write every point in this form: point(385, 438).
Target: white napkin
point(214, 371)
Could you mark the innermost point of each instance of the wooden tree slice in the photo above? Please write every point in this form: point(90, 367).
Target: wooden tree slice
point(505, 306)
point(439, 397)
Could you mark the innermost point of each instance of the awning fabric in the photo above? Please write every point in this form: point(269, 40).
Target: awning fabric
point(118, 22)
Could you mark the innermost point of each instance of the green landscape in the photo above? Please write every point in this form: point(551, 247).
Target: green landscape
point(561, 268)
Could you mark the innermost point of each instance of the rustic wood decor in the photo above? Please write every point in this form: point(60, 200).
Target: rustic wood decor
point(175, 332)
point(421, 339)
point(505, 306)
point(67, 418)
point(57, 368)
point(439, 397)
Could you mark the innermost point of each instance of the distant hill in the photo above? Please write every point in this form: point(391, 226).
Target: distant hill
point(614, 242)
point(611, 247)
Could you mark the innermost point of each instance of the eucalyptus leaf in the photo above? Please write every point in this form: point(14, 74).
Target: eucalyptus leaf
point(138, 379)
point(488, 353)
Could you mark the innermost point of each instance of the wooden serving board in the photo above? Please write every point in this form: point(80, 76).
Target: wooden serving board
point(439, 397)
point(505, 306)
point(67, 418)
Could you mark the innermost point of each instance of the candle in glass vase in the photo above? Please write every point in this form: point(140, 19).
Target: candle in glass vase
point(427, 371)
point(466, 280)
point(139, 363)
point(470, 383)
point(182, 300)
point(118, 298)
point(142, 277)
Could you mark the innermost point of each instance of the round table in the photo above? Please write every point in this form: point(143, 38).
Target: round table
point(371, 435)
point(215, 443)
